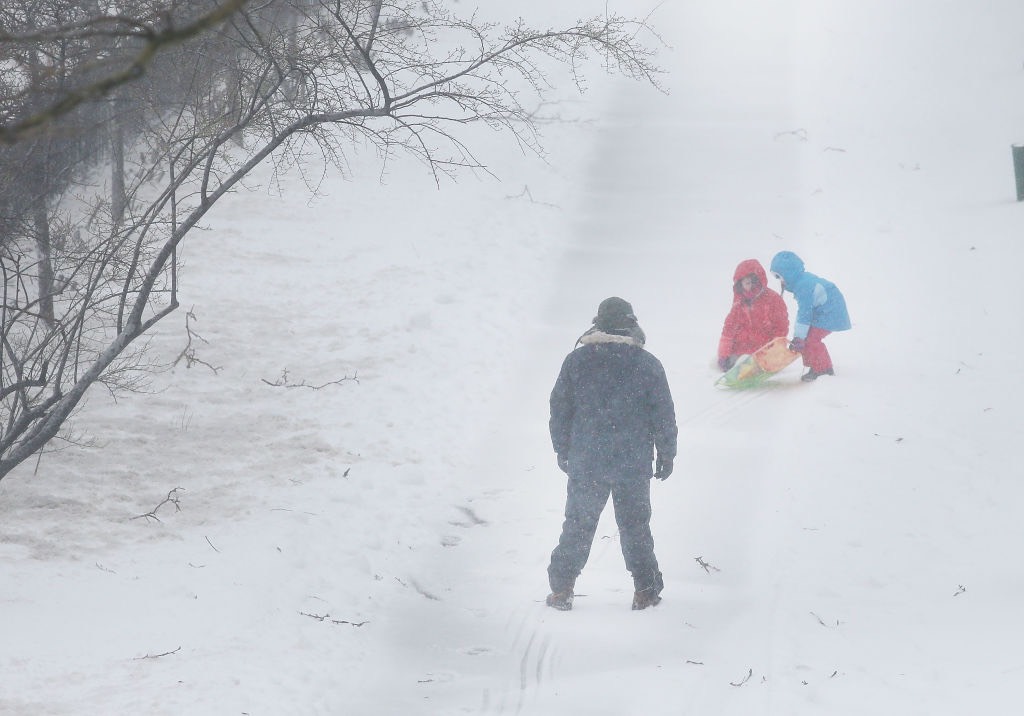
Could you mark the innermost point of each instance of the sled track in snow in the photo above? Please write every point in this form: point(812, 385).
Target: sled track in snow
point(534, 654)
point(533, 665)
point(730, 403)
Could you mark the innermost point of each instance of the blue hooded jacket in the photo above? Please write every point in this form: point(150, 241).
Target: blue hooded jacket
point(819, 302)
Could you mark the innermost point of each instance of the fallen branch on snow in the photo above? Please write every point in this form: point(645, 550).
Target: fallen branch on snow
point(157, 656)
point(327, 618)
point(750, 672)
point(706, 566)
point(282, 382)
point(171, 498)
point(822, 622)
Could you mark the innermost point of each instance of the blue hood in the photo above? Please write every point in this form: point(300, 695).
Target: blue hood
point(787, 265)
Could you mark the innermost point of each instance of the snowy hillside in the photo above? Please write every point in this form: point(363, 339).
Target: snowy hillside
point(362, 492)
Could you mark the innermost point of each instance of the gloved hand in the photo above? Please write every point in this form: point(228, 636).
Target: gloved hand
point(663, 467)
point(726, 362)
point(563, 463)
point(797, 345)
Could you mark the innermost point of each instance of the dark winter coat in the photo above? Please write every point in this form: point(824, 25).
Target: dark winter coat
point(819, 302)
point(753, 319)
point(611, 408)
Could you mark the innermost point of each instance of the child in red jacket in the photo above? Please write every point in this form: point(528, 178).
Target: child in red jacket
point(758, 314)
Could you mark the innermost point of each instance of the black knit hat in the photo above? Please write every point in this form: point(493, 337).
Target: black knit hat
point(614, 314)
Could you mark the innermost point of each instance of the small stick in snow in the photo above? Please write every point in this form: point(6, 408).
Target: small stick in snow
point(171, 498)
point(800, 134)
point(822, 622)
point(750, 672)
point(327, 617)
point(960, 590)
point(526, 192)
point(282, 382)
point(157, 656)
point(345, 621)
point(706, 566)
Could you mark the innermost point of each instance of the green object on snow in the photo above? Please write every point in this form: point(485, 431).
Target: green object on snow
point(1018, 169)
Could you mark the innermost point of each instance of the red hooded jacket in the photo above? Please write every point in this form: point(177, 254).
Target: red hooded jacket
point(755, 318)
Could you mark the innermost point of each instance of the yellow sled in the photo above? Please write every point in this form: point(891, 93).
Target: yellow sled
point(751, 370)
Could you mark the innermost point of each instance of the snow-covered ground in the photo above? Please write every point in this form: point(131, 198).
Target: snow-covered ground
point(366, 496)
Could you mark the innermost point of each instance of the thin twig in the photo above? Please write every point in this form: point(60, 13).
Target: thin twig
point(327, 617)
point(706, 566)
point(750, 672)
point(171, 498)
point(526, 192)
point(822, 622)
point(282, 382)
point(188, 352)
point(800, 134)
point(157, 656)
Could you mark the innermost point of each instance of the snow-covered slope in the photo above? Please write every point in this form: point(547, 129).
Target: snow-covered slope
point(368, 532)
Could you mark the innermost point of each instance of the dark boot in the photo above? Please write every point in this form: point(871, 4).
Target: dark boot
point(649, 594)
point(561, 594)
point(561, 601)
point(814, 375)
point(645, 598)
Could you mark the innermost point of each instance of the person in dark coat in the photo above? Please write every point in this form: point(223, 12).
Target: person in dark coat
point(611, 411)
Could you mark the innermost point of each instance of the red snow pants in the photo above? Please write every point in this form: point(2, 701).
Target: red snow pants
point(815, 353)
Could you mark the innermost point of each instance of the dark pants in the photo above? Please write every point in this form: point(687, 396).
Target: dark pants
point(583, 506)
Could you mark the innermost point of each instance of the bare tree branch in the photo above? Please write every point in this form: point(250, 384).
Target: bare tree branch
point(154, 40)
point(241, 84)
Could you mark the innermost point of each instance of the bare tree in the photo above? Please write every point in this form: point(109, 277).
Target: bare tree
point(84, 22)
point(281, 78)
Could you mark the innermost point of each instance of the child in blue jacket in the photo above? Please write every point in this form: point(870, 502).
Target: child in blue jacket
point(821, 309)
